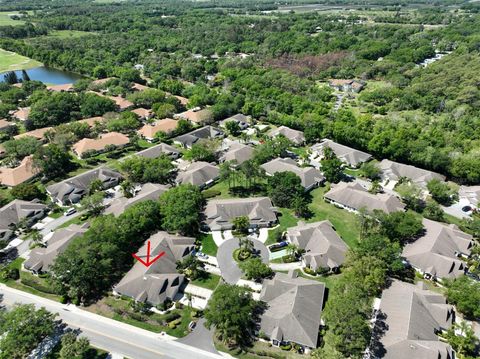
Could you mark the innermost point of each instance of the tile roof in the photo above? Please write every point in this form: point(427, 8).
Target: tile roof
point(99, 144)
point(167, 126)
point(22, 173)
point(196, 116)
point(39, 133)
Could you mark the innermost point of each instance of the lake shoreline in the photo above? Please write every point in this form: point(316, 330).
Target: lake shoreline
point(12, 61)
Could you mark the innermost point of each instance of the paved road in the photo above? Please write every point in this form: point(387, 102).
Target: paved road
point(57, 222)
point(201, 337)
point(108, 334)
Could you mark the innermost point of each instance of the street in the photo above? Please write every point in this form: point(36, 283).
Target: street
point(107, 334)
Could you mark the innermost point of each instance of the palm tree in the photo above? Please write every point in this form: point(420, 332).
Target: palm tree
point(189, 298)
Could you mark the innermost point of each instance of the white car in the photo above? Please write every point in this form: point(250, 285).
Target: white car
point(69, 211)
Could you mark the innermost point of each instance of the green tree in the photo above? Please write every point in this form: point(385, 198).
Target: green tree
point(463, 340)
point(203, 150)
point(125, 122)
point(433, 211)
point(142, 170)
point(191, 266)
point(241, 224)
point(233, 128)
point(93, 203)
point(27, 192)
point(52, 161)
point(331, 166)
point(370, 170)
point(283, 187)
point(255, 269)
point(180, 207)
point(465, 294)
point(92, 105)
point(442, 192)
point(54, 109)
point(18, 149)
point(400, 226)
point(233, 313)
point(23, 328)
point(73, 348)
point(411, 195)
point(164, 110)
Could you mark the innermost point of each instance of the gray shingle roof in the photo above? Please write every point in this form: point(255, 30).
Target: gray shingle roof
point(160, 280)
point(149, 191)
point(41, 259)
point(323, 246)
point(348, 155)
point(220, 212)
point(412, 316)
point(238, 152)
point(73, 189)
point(156, 151)
point(436, 251)
point(13, 212)
point(198, 174)
point(395, 170)
point(309, 175)
point(472, 193)
point(188, 139)
point(295, 136)
point(354, 196)
point(294, 307)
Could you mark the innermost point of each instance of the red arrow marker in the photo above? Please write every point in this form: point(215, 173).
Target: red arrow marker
point(149, 262)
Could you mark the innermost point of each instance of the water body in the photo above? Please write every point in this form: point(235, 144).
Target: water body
point(48, 75)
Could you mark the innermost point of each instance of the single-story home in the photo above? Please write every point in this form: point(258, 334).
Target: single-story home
point(143, 113)
point(346, 85)
point(350, 156)
point(202, 174)
point(122, 103)
point(16, 211)
point(92, 121)
point(139, 87)
point(21, 114)
point(61, 88)
point(239, 118)
point(393, 171)
point(353, 196)
point(23, 172)
point(295, 136)
point(39, 134)
point(40, 259)
point(322, 245)
point(156, 151)
point(219, 213)
point(160, 281)
point(99, 144)
point(5, 125)
point(237, 152)
point(73, 189)
point(437, 253)
point(294, 309)
point(310, 177)
point(206, 132)
point(411, 317)
point(149, 191)
point(166, 126)
point(196, 116)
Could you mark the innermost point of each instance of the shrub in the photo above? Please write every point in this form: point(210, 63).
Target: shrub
point(64, 299)
point(309, 270)
point(209, 193)
point(286, 347)
point(32, 282)
point(323, 270)
point(171, 316)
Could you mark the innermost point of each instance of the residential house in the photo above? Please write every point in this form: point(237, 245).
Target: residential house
point(122, 103)
point(470, 195)
point(156, 151)
point(166, 126)
point(294, 309)
point(139, 87)
point(160, 281)
point(242, 121)
point(92, 121)
point(143, 113)
point(200, 174)
point(183, 100)
point(353, 196)
point(149, 191)
point(206, 132)
point(100, 144)
point(23, 172)
point(5, 125)
point(73, 189)
point(394, 171)
point(322, 245)
point(295, 136)
point(350, 156)
point(61, 88)
point(237, 152)
point(220, 213)
point(437, 253)
point(102, 81)
point(21, 114)
point(412, 317)
point(309, 176)
point(196, 116)
point(346, 85)
point(39, 133)
point(17, 211)
point(41, 259)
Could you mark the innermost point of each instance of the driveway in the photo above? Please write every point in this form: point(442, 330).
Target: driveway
point(278, 254)
point(231, 273)
point(217, 237)
point(200, 337)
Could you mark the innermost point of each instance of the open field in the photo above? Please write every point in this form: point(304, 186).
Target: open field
point(10, 61)
point(5, 19)
point(67, 34)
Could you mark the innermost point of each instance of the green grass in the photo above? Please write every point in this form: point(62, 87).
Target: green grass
point(10, 61)
point(345, 222)
point(5, 19)
point(208, 244)
point(75, 220)
point(209, 281)
point(223, 188)
point(286, 220)
point(259, 350)
point(68, 34)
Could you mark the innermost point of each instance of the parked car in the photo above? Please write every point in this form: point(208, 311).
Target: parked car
point(277, 246)
point(192, 325)
point(69, 211)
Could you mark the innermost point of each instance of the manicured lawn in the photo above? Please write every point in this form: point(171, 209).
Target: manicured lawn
point(259, 350)
point(208, 244)
point(75, 220)
point(6, 20)
point(209, 281)
point(68, 34)
point(10, 61)
point(286, 220)
point(345, 222)
point(223, 188)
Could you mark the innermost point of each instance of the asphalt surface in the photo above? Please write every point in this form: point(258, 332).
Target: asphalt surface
point(200, 337)
point(110, 335)
point(231, 273)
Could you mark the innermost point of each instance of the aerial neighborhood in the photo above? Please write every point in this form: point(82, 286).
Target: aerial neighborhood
point(206, 206)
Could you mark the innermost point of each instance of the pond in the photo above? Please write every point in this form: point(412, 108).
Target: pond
point(48, 75)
